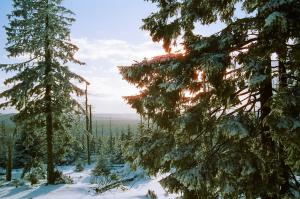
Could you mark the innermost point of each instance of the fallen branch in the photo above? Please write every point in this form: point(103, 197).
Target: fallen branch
point(113, 185)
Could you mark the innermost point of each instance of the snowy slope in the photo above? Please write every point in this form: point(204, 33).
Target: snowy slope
point(82, 188)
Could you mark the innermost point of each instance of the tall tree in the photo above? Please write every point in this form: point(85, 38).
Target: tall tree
point(87, 123)
point(227, 108)
point(41, 89)
point(129, 133)
point(110, 140)
point(92, 142)
point(8, 141)
point(8, 135)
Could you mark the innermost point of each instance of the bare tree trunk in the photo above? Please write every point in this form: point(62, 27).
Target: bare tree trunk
point(91, 129)
point(48, 110)
point(110, 138)
point(9, 164)
point(87, 127)
point(96, 137)
point(266, 139)
point(96, 128)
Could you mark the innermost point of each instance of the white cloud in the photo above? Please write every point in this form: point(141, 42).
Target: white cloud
point(116, 51)
point(102, 58)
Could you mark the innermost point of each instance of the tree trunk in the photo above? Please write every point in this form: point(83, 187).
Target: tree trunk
point(97, 129)
point(97, 138)
point(87, 127)
point(266, 139)
point(48, 109)
point(49, 127)
point(187, 194)
point(9, 163)
point(285, 169)
point(265, 96)
point(91, 130)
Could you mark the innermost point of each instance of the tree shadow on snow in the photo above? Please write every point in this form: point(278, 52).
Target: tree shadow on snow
point(13, 191)
point(42, 190)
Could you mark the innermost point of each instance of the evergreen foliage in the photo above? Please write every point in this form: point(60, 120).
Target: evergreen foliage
point(102, 166)
point(116, 157)
point(227, 109)
point(41, 88)
point(79, 166)
point(32, 150)
point(36, 173)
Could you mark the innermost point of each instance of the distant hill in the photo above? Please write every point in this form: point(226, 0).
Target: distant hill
point(118, 122)
point(98, 116)
point(116, 116)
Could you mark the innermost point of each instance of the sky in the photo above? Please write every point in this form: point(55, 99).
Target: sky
point(108, 35)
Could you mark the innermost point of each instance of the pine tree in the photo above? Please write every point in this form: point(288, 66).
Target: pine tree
point(228, 108)
point(117, 157)
point(126, 140)
point(8, 132)
point(32, 149)
point(87, 123)
point(122, 135)
point(7, 141)
point(42, 89)
point(110, 140)
point(129, 133)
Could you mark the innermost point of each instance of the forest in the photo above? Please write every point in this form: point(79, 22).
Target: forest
point(215, 116)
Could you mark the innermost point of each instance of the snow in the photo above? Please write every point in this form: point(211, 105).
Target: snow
point(83, 189)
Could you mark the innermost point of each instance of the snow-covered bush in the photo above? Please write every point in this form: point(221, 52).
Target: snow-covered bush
point(36, 174)
point(79, 166)
point(137, 172)
point(102, 166)
point(60, 178)
point(151, 194)
point(33, 179)
point(101, 181)
point(114, 176)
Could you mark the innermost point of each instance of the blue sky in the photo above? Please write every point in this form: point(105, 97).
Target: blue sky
point(108, 34)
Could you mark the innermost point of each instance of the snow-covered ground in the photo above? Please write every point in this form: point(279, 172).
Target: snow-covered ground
point(83, 189)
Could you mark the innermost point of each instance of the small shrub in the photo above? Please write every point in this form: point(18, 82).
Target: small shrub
point(67, 180)
point(102, 167)
point(79, 166)
point(33, 179)
point(100, 180)
point(36, 173)
point(117, 157)
point(114, 177)
point(151, 194)
point(60, 178)
point(40, 171)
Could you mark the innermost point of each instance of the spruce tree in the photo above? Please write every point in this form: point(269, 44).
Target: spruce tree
point(41, 88)
point(33, 147)
point(228, 108)
point(110, 141)
point(129, 133)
